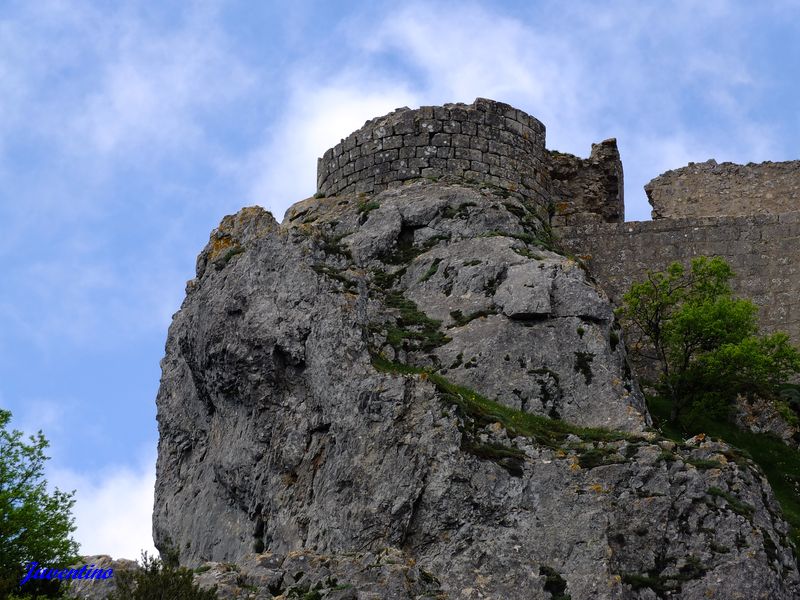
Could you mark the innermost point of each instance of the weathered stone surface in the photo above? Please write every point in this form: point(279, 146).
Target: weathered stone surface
point(97, 589)
point(385, 575)
point(726, 189)
point(485, 142)
point(760, 416)
point(587, 190)
point(282, 428)
point(761, 249)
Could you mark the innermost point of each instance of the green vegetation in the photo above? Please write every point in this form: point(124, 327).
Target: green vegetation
point(334, 274)
point(707, 350)
point(613, 340)
point(332, 245)
point(461, 319)
point(704, 340)
point(406, 250)
point(35, 526)
point(450, 212)
point(527, 253)
point(156, 579)
point(543, 239)
point(483, 411)
point(384, 281)
point(365, 207)
point(780, 463)
point(226, 258)
point(736, 505)
point(663, 584)
point(413, 330)
point(431, 270)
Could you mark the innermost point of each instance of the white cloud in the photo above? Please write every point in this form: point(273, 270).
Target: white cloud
point(113, 509)
point(283, 170)
point(153, 88)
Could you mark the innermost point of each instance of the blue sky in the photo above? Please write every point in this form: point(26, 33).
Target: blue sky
point(128, 129)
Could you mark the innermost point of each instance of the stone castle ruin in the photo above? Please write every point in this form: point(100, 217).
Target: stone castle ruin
point(406, 390)
point(747, 214)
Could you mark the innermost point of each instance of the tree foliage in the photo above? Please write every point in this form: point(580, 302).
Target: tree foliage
point(157, 579)
point(34, 524)
point(704, 341)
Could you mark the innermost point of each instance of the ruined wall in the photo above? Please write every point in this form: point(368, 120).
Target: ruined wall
point(587, 190)
point(744, 213)
point(763, 250)
point(717, 189)
point(485, 142)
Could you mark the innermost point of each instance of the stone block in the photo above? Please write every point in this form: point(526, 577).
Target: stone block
point(468, 153)
point(479, 167)
point(395, 141)
point(475, 116)
point(460, 140)
point(426, 151)
point(371, 146)
point(417, 139)
point(385, 156)
point(458, 113)
point(440, 139)
point(468, 128)
point(444, 152)
point(479, 144)
point(429, 126)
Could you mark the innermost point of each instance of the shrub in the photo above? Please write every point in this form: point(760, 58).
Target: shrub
point(156, 580)
point(704, 340)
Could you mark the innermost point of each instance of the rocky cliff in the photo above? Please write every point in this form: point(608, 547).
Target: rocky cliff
point(420, 374)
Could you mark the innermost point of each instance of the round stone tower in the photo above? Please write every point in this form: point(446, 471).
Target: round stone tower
point(485, 142)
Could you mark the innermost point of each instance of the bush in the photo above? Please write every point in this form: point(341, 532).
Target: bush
point(704, 340)
point(157, 580)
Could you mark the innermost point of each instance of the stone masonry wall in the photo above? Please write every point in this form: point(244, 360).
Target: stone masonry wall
point(485, 141)
point(587, 190)
point(763, 250)
point(744, 213)
point(716, 189)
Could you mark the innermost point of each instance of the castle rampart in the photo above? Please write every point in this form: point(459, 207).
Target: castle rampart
point(716, 189)
point(485, 141)
point(587, 190)
point(747, 214)
point(763, 250)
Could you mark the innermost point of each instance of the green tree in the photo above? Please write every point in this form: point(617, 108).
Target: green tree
point(704, 341)
point(35, 526)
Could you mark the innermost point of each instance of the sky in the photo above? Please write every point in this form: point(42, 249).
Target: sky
point(129, 129)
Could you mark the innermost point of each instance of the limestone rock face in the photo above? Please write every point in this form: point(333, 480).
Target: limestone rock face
point(383, 372)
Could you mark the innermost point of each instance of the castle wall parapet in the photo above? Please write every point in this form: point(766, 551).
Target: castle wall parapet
point(486, 141)
point(726, 189)
point(763, 250)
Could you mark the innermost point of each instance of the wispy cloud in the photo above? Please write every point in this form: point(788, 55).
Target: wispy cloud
point(283, 170)
point(113, 509)
point(626, 70)
point(93, 105)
